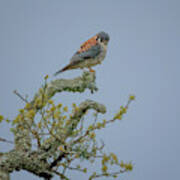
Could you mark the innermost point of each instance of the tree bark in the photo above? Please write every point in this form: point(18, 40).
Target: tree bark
point(22, 157)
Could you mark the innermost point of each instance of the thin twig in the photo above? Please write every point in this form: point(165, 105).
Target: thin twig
point(60, 174)
point(76, 169)
point(20, 96)
point(111, 174)
point(5, 140)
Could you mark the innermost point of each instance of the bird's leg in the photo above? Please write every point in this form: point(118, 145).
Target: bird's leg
point(90, 69)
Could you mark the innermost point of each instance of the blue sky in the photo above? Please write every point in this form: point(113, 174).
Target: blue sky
point(38, 37)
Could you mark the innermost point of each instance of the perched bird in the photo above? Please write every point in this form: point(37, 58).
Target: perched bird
point(91, 53)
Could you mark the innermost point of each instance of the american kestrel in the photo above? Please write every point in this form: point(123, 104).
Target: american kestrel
point(91, 53)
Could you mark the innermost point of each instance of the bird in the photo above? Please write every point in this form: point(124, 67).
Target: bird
point(90, 53)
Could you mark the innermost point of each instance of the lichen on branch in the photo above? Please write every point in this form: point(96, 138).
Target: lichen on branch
point(79, 84)
point(58, 135)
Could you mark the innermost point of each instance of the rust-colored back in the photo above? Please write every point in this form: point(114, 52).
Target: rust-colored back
point(88, 44)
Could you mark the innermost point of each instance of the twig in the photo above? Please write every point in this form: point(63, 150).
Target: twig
point(59, 158)
point(60, 175)
point(111, 174)
point(20, 96)
point(7, 141)
point(76, 169)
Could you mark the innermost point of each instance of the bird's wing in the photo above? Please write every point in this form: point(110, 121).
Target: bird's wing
point(88, 44)
point(88, 50)
point(91, 53)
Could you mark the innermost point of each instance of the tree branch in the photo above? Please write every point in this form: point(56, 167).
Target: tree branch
point(83, 108)
point(79, 84)
point(64, 141)
point(32, 161)
point(21, 157)
point(75, 118)
point(20, 96)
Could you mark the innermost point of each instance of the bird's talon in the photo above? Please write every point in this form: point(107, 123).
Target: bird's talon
point(91, 70)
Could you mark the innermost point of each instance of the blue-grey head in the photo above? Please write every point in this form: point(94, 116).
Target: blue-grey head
point(103, 37)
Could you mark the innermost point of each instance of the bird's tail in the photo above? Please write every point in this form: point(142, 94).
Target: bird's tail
point(62, 70)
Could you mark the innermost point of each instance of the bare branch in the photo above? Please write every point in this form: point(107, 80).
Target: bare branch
point(109, 174)
point(20, 96)
point(5, 140)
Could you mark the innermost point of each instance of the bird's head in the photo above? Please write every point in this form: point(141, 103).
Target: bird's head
point(103, 37)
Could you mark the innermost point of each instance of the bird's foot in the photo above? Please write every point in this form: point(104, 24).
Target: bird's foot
point(91, 70)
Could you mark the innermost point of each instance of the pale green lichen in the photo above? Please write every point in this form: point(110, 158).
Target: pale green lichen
point(22, 157)
point(66, 139)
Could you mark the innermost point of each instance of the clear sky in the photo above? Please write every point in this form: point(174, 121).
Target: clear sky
point(38, 37)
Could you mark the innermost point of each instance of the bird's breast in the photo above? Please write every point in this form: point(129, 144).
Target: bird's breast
point(94, 61)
